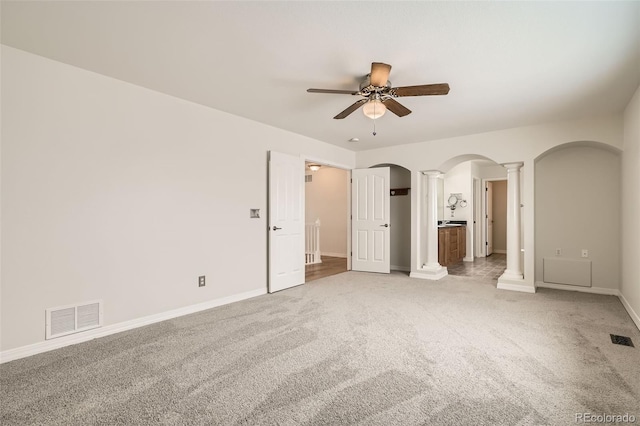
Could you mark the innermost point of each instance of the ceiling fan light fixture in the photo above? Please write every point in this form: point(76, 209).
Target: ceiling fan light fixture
point(374, 109)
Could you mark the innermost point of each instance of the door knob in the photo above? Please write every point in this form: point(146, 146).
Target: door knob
point(386, 225)
point(275, 228)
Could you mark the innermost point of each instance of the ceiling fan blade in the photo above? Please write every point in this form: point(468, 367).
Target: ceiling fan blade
point(423, 90)
point(349, 110)
point(339, 92)
point(379, 74)
point(396, 107)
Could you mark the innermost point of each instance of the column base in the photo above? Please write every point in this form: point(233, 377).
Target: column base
point(430, 273)
point(515, 282)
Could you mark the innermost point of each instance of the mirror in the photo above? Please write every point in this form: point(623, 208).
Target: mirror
point(452, 201)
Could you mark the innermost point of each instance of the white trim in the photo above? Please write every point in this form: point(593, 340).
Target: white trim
point(499, 251)
point(400, 268)
point(593, 290)
point(72, 339)
point(633, 314)
point(331, 254)
point(426, 273)
point(515, 287)
point(323, 162)
point(515, 283)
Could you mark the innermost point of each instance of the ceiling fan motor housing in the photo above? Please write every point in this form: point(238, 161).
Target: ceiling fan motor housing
point(366, 88)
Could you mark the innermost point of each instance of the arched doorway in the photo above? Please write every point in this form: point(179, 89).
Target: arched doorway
point(479, 187)
point(472, 172)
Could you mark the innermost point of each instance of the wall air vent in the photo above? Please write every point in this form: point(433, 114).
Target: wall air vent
point(70, 319)
point(308, 178)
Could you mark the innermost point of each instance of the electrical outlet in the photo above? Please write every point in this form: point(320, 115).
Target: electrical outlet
point(585, 253)
point(201, 281)
point(558, 252)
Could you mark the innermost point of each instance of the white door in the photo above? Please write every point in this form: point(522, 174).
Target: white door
point(371, 220)
point(286, 221)
point(489, 218)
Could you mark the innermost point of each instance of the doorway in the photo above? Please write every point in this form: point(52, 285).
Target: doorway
point(495, 217)
point(326, 220)
point(334, 195)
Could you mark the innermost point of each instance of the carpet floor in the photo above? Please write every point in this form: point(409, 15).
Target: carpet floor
point(353, 348)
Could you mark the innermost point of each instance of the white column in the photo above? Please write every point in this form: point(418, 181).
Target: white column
point(431, 270)
point(512, 278)
point(432, 219)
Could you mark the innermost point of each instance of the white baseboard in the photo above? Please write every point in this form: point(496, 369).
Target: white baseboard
point(499, 251)
point(594, 290)
point(49, 345)
point(330, 254)
point(427, 273)
point(633, 314)
point(400, 268)
point(511, 286)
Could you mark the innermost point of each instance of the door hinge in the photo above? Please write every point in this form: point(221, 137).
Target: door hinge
point(486, 243)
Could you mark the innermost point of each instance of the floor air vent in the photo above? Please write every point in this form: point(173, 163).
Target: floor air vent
point(70, 319)
point(621, 340)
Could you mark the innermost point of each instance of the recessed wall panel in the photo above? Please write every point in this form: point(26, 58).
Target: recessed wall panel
point(378, 245)
point(362, 244)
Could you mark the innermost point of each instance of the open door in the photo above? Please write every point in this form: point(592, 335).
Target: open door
point(286, 221)
point(488, 202)
point(370, 220)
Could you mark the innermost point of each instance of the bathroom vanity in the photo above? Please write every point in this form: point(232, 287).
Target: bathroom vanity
point(452, 243)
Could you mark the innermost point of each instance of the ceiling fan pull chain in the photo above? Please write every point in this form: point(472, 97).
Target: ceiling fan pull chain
point(374, 122)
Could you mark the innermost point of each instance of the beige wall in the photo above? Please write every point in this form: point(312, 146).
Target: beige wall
point(577, 196)
point(630, 211)
point(111, 191)
point(326, 199)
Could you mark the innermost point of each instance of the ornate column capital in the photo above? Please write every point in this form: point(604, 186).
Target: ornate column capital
point(512, 166)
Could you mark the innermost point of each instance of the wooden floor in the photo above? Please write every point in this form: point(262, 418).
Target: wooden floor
point(329, 266)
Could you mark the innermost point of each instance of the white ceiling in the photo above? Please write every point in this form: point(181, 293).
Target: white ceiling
point(509, 64)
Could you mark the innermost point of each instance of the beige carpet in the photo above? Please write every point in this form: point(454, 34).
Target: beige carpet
point(354, 348)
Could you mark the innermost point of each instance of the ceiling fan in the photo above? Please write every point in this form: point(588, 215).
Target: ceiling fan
point(378, 95)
